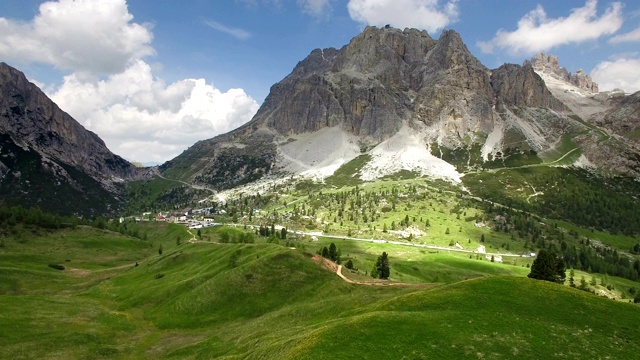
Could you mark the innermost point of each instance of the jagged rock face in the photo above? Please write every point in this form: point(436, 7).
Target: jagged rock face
point(551, 65)
point(62, 153)
point(361, 87)
point(386, 88)
point(520, 86)
point(381, 78)
point(583, 81)
point(382, 81)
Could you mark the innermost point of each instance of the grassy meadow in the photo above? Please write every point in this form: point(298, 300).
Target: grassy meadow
point(265, 300)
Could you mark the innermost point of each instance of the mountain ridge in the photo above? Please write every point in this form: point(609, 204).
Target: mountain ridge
point(44, 151)
point(384, 80)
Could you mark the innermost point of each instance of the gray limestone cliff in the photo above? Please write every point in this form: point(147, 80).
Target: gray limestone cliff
point(382, 77)
point(520, 86)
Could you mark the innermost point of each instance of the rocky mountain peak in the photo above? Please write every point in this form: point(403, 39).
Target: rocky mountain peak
point(516, 85)
point(373, 44)
point(550, 65)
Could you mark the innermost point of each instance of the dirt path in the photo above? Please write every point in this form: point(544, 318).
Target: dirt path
point(328, 264)
point(193, 237)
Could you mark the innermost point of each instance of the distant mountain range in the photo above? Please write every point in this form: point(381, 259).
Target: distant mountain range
point(390, 100)
point(405, 101)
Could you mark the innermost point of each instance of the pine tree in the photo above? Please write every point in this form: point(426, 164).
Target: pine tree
point(333, 252)
point(572, 275)
point(381, 267)
point(547, 266)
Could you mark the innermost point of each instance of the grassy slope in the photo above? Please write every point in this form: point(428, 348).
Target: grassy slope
point(274, 302)
point(486, 318)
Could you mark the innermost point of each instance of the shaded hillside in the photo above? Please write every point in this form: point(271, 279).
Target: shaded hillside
point(47, 159)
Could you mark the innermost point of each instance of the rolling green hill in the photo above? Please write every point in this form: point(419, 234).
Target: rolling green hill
point(264, 300)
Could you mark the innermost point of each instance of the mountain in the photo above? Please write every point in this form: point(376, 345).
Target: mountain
point(47, 159)
point(549, 65)
point(409, 102)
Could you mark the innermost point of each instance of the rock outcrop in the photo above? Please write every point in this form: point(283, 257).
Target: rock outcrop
point(520, 86)
point(623, 118)
point(550, 64)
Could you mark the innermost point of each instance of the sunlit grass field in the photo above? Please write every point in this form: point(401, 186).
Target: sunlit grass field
point(264, 300)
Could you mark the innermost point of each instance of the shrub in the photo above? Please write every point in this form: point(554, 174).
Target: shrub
point(56, 266)
point(159, 276)
point(349, 264)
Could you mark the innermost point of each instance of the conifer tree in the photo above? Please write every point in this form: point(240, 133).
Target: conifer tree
point(381, 267)
point(547, 266)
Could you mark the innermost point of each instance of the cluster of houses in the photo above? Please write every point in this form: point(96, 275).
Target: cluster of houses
point(193, 218)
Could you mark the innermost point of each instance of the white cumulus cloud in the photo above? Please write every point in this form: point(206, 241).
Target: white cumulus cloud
point(430, 15)
point(536, 32)
point(631, 36)
point(97, 37)
point(143, 119)
point(111, 89)
point(621, 73)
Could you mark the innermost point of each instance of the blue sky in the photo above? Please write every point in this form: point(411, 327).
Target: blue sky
point(153, 77)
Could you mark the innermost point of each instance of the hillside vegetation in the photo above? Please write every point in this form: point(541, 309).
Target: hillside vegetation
point(207, 299)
